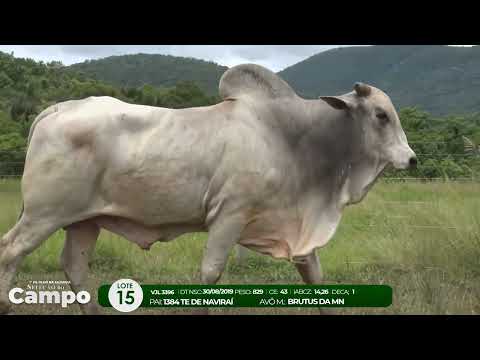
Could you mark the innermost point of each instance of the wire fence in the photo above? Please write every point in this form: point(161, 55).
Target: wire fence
point(9, 176)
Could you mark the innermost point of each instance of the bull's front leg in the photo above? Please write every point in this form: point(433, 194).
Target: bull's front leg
point(223, 235)
point(310, 269)
point(311, 272)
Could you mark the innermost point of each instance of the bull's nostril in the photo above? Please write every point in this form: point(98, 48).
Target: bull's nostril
point(413, 161)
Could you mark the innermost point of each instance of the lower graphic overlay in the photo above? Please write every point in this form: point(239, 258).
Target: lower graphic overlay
point(126, 295)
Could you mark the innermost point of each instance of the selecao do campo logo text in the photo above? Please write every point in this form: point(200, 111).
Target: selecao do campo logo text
point(48, 292)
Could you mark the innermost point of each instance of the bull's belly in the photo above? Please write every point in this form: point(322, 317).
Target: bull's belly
point(154, 198)
point(147, 207)
point(141, 234)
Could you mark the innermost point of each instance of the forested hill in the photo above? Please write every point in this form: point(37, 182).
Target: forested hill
point(156, 70)
point(442, 80)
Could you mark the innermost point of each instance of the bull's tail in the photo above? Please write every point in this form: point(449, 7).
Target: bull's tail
point(42, 115)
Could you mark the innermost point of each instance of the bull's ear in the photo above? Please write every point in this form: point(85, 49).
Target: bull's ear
point(336, 102)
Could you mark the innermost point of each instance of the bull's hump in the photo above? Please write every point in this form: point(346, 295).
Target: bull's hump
point(255, 80)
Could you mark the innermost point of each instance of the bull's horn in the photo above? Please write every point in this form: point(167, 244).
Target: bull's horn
point(362, 89)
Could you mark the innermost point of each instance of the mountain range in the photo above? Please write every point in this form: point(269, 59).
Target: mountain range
point(157, 70)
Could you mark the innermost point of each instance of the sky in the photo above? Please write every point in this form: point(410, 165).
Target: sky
point(274, 57)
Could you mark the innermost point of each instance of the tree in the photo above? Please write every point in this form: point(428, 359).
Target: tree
point(22, 108)
point(5, 80)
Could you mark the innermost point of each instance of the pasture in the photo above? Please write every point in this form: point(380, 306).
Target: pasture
point(423, 239)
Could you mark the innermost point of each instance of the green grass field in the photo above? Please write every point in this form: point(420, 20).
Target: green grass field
point(423, 239)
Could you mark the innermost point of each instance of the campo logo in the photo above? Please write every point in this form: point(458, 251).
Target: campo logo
point(47, 294)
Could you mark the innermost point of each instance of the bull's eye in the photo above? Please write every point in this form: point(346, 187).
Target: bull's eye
point(383, 117)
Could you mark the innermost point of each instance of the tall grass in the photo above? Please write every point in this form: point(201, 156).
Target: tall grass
point(423, 239)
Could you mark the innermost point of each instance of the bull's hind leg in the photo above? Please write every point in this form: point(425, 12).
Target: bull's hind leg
point(79, 245)
point(21, 240)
